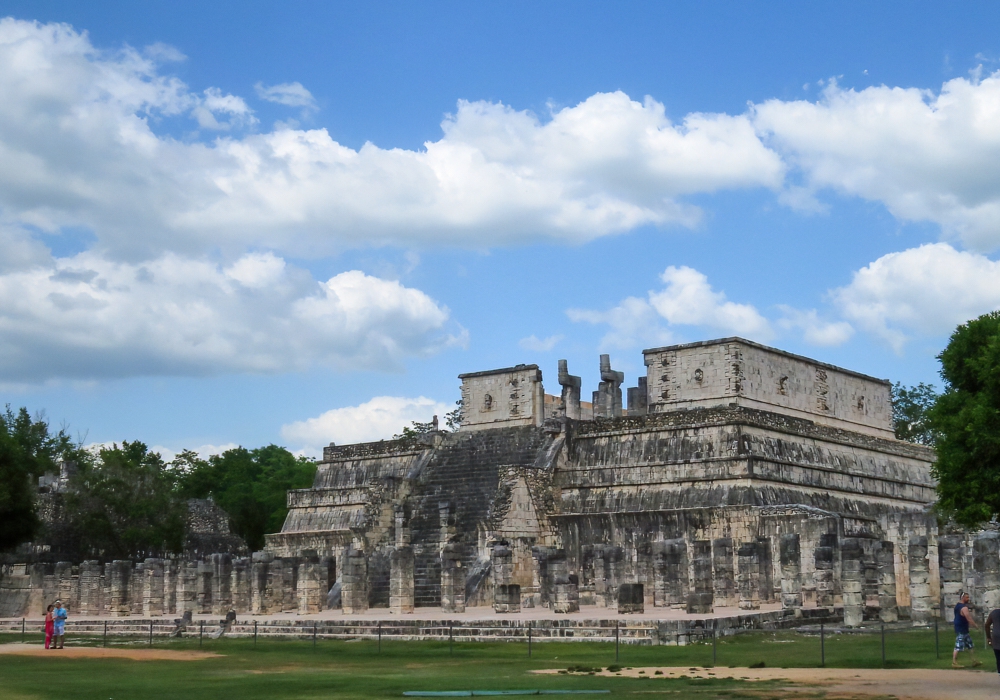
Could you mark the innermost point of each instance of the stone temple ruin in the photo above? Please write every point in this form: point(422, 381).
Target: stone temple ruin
point(736, 476)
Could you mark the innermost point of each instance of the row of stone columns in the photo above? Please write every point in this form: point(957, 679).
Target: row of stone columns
point(214, 585)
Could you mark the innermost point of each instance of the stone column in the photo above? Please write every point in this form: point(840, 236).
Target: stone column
point(65, 585)
point(401, 589)
point(644, 570)
point(766, 570)
point(670, 574)
point(790, 559)
point(261, 562)
point(921, 609)
point(118, 573)
point(91, 600)
point(723, 572)
point(823, 574)
point(152, 588)
point(986, 564)
point(950, 556)
point(170, 578)
point(239, 585)
point(748, 563)
point(565, 587)
point(614, 559)
point(851, 575)
point(287, 583)
point(570, 391)
point(700, 598)
point(502, 563)
point(136, 582)
point(309, 593)
point(187, 587)
point(600, 577)
point(354, 582)
point(204, 595)
point(453, 577)
point(607, 400)
point(885, 557)
point(222, 582)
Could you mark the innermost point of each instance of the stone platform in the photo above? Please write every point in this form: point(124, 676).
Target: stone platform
point(592, 623)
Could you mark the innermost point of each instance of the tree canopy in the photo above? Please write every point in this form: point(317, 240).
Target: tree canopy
point(966, 418)
point(250, 485)
point(27, 450)
point(910, 413)
point(122, 503)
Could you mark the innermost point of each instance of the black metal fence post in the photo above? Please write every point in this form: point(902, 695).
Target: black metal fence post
point(715, 641)
point(822, 645)
point(616, 641)
point(201, 631)
point(451, 641)
point(150, 633)
point(529, 640)
point(314, 636)
point(22, 630)
point(937, 646)
point(379, 636)
point(105, 633)
point(255, 634)
point(883, 645)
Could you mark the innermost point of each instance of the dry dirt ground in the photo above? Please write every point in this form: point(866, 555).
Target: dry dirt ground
point(136, 654)
point(905, 684)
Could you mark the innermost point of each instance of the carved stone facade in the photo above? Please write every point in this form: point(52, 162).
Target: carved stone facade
point(737, 477)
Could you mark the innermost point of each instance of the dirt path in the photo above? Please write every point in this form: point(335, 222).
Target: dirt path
point(905, 684)
point(105, 653)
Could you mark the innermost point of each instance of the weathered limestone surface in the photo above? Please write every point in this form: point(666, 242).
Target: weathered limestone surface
point(921, 609)
point(749, 576)
point(851, 581)
point(791, 571)
point(738, 475)
point(888, 607)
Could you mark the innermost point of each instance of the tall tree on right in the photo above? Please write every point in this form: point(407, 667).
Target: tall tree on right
point(966, 421)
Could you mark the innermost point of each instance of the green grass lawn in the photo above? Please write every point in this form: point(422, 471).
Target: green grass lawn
point(278, 669)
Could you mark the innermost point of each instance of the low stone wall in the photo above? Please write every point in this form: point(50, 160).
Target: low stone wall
point(633, 631)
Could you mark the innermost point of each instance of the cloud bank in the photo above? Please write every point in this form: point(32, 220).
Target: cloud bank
point(78, 148)
point(378, 419)
point(89, 317)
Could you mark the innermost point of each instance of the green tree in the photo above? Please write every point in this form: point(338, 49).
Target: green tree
point(910, 409)
point(966, 418)
point(453, 418)
point(27, 450)
point(250, 485)
point(122, 504)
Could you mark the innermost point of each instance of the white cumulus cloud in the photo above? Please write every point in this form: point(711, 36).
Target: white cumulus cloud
point(536, 344)
point(815, 330)
point(78, 147)
point(378, 419)
point(288, 94)
point(927, 290)
point(928, 156)
point(687, 300)
point(86, 317)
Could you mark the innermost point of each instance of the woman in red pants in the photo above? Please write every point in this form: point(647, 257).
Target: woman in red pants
point(50, 626)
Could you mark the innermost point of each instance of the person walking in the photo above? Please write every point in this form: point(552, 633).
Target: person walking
point(50, 626)
point(59, 624)
point(992, 623)
point(963, 640)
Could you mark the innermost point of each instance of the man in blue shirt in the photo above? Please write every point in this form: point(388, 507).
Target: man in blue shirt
point(963, 640)
point(59, 616)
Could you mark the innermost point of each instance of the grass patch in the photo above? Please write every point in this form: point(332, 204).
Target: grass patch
point(279, 669)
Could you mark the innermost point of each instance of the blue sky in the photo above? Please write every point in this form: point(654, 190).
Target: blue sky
point(243, 223)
